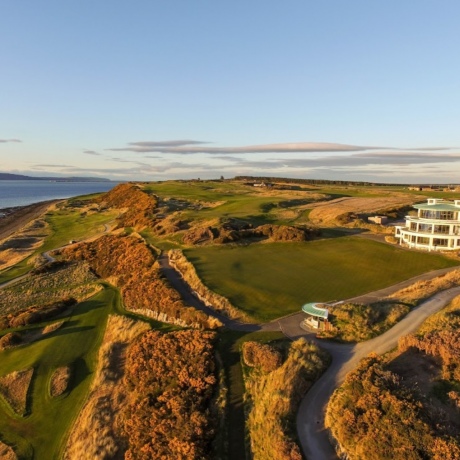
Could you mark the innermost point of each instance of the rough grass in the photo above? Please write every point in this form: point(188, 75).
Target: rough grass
point(96, 433)
point(14, 388)
point(421, 290)
point(357, 322)
point(273, 398)
point(74, 280)
point(271, 280)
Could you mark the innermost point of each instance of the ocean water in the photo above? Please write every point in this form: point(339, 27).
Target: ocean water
point(24, 192)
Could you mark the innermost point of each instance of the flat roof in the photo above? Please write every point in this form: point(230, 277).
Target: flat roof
point(313, 309)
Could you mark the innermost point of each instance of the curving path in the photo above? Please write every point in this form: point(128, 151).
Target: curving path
point(313, 435)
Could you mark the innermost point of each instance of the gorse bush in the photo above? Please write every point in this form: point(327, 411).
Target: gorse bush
point(374, 417)
point(137, 205)
point(127, 262)
point(171, 379)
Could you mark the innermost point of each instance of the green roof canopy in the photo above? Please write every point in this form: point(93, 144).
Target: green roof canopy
point(438, 207)
point(314, 310)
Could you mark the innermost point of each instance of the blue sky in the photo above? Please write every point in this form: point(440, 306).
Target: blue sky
point(153, 90)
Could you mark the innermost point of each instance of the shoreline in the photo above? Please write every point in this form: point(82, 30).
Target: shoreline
point(14, 218)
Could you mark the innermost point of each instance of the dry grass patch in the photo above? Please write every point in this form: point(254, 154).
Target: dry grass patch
point(6, 452)
point(60, 381)
point(14, 388)
point(97, 432)
point(421, 290)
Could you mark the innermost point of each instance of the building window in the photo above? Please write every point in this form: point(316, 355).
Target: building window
point(425, 228)
point(441, 229)
point(440, 241)
point(446, 215)
point(423, 240)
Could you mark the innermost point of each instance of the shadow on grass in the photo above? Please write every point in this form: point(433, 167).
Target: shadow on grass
point(80, 372)
point(65, 331)
point(340, 232)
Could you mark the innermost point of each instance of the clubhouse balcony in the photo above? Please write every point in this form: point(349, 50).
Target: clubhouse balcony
point(435, 228)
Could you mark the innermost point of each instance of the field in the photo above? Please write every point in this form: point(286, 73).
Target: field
point(268, 281)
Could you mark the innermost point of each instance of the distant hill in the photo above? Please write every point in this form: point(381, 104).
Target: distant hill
point(8, 176)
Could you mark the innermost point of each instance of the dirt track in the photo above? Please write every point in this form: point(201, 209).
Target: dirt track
point(21, 216)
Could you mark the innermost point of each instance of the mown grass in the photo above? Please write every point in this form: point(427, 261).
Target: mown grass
point(268, 281)
point(70, 224)
point(238, 200)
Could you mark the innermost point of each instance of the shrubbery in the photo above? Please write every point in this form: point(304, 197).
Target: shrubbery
point(171, 379)
point(128, 263)
point(358, 322)
point(139, 206)
point(261, 355)
point(374, 417)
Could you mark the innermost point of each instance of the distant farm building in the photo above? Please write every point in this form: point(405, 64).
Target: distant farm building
point(436, 227)
point(382, 220)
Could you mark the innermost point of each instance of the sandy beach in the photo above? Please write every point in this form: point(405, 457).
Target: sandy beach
point(13, 219)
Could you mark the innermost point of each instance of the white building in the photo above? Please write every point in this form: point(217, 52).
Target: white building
point(436, 227)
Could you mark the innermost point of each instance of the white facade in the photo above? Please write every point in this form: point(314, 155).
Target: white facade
point(436, 227)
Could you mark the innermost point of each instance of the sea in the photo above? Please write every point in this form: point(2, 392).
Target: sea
point(23, 192)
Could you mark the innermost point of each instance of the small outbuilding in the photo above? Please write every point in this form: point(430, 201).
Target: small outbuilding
point(317, 315)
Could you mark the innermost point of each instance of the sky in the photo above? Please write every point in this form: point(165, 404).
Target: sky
point(158, 90)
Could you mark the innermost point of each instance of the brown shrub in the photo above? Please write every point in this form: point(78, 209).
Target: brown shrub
point(171, 379)
point(7, 452)
point(131, 265)
point(261, 355)
point(373, 416)
point(139, 206)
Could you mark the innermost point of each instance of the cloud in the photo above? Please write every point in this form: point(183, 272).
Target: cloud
point(183, 149)
point(178, 143)
point(52, 166)
point(4, 141)
point(91, 152)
